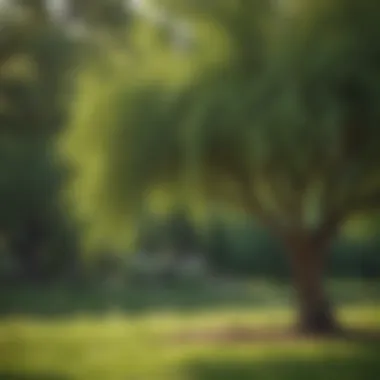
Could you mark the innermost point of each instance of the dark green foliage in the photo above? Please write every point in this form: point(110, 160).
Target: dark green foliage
point(242, 248)
point(39, 57)
point(150, 234)
point(182, 232)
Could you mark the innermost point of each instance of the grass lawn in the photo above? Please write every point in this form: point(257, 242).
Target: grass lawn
point(120, 345)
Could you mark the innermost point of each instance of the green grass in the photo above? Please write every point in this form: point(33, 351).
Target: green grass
point(117, 346)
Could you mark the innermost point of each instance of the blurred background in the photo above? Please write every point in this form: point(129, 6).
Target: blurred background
point(79, 302)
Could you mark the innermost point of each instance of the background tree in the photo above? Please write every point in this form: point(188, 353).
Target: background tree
point(34, 61)
point(275, 112)
point(40, 49)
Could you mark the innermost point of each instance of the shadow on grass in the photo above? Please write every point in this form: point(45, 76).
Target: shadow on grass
point(364, 366)
point(12, 376)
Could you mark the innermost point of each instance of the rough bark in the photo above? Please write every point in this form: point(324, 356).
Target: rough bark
point(308, 263)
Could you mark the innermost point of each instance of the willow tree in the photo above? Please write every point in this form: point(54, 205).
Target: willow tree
point(274, 109)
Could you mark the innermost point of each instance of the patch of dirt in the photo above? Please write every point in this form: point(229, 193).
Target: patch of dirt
point(237, 335)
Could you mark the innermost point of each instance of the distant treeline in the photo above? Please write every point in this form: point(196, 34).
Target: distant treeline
point(245, 249)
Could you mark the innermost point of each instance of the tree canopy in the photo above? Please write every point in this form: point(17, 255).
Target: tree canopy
point(275, 108)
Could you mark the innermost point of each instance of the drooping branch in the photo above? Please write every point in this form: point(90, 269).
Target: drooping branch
point(235, 168)
point(255, 207)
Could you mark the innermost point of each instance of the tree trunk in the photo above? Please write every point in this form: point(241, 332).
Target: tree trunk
point(315, 314)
